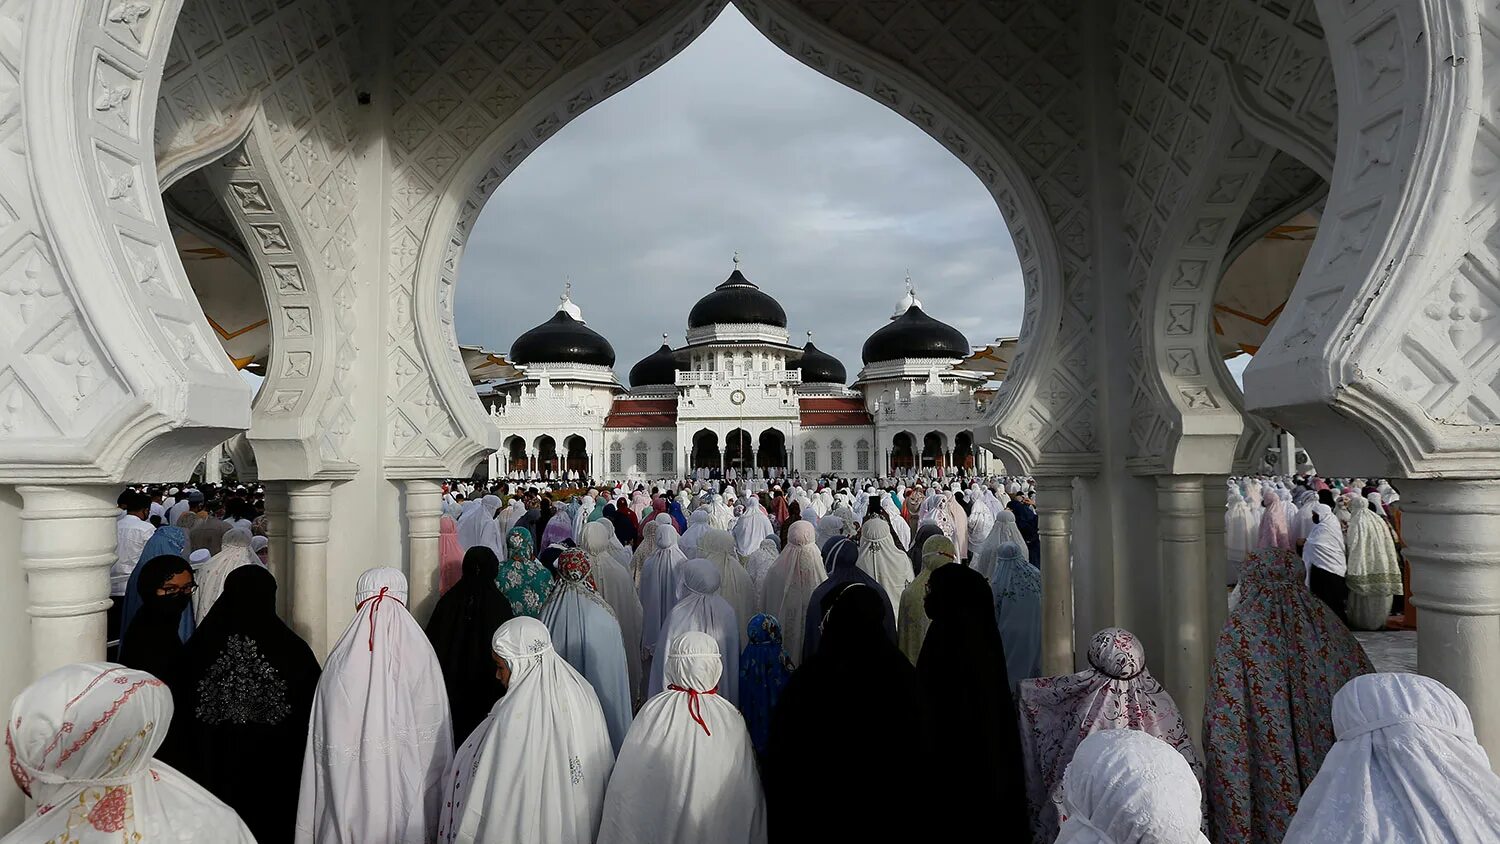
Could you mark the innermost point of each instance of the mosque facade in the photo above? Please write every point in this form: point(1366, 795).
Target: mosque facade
point(738, 397)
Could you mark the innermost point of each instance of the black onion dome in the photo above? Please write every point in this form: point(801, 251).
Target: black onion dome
point(737, 301)
point(914, 334)
point(562, 339)
point(819, 367)
point(655, 370)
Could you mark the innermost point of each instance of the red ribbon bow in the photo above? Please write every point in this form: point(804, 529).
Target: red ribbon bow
point(693, 705)
point(375, 610)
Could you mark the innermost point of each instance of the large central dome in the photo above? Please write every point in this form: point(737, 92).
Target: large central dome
point(563, 339)
point(736, 302)
point(911, 333)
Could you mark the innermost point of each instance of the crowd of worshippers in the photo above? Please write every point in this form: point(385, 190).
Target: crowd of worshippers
point(737, 675)
point(1346, 531)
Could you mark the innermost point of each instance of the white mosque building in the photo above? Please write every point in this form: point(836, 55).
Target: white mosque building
point(738, 397)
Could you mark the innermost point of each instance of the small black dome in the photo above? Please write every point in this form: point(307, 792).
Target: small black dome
point(736, 301)
point(562, 339)
point(655, 370)
point(819, 367)
point(914, 334)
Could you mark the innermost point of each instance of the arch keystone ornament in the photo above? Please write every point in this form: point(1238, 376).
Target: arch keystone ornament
point(1385, 362)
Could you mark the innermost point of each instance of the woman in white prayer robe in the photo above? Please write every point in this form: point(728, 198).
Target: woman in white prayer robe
point(581, 516)
point(476, 523)
point(790, 583)
point(1406, 767)
point(881, 560)
point(1374, 574)
point(1129, 787)
point(701, 608)
point(82, 740)
point(584, 631)
point(697, 526)
point(507, 518)
point(617, 588)
point(735, 585)
point(758, 565)
point(751, 528)
point(986, 557)
point(1325, 559)
point(660, 576)
point(380, 737)
point(687, 772)
point(899, 528)
point(234, 552)
point(720, 516)
point(536, 769)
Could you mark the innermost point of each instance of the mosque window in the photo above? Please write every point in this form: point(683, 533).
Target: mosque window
point(668, 457)
point(862, 455)
point(640, 457)
point(615, 457)
point(810, 456)
point(836, 455)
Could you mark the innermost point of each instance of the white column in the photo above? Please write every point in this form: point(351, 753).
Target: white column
point(67, 548)
point(1215, 497)
point(308, 508)
point(212, 463)
point(1179, 510)
point(280, 557)
point(424, 509)
point(1452, 533)
point(1054, 506)
point(1287, 464)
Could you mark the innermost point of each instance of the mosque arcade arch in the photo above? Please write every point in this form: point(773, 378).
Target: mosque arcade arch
point(109, 371)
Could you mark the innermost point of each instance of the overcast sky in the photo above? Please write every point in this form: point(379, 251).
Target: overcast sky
point(733, 145)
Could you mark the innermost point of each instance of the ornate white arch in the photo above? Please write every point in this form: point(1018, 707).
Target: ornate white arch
point(107, 368)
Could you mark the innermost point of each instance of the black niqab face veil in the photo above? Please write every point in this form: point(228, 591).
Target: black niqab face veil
point(152, 643)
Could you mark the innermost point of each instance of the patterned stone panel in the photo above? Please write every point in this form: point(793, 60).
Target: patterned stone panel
point(242, 61)
point(104, 349)
point(999, 85)
point(1391, 322)
point(1288, 188)
point(477, 85)
point(301, 415)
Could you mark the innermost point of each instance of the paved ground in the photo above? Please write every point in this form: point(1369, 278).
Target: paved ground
point(1391, 650)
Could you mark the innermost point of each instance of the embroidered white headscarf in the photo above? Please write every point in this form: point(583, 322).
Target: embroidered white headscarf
point(1127, 787)
point(1406, 767)
point(81, 742)
point(687, 772)
point(537, 767)
point(381, 734)
point(584, 631)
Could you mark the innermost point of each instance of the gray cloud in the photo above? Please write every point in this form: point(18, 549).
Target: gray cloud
point(733, 145)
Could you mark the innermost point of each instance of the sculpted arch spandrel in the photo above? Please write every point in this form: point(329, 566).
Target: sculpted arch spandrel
point(445, 103)
point(108, 368)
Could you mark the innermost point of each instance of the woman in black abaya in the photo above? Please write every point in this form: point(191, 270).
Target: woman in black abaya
point(243, 697)
point(968, 719)
point(152, 642)
point(462, 624)
point(838, 741)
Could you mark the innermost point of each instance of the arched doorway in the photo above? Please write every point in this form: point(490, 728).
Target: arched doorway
point(706, 450)
point(737, 447)
point(515, 455)
point(963, 451)
point(932, 450)
point(903, 451)
point(546, 455)
point(578, 455)
point(771, 453)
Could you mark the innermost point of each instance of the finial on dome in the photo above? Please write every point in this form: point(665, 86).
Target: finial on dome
point(664, 338)
point(736, 259)
point(908, 299)
point(565, 301)
point(809, 336)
